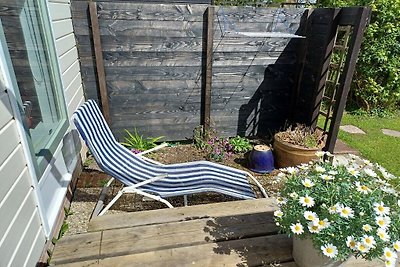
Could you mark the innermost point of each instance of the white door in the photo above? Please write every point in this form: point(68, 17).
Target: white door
point(34, 82)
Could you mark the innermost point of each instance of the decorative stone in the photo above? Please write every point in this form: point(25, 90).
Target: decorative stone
point(351, 129)
point(389, 132)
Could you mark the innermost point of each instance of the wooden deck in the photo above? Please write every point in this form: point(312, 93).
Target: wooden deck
point(239, 233)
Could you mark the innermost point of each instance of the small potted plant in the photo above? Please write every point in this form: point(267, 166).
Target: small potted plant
point(297, 145)
point(338, 210)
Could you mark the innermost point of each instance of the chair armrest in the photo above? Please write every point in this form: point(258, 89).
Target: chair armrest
point(153, 149)
point(148, 181)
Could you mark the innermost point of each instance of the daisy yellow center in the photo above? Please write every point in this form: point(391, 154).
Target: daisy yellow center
point(329, 250)
point(310, 217)
point(314, 227)
point(381, 209)
point(361, 247)
point(363, 187)
point(381, 235)
point(352, 244)
point(321, 223)
point(307, 200)
point(345, 211)
point(368, 241)
point(381, 222)
point(388, 254)
point(297, 228)
point(396, 246)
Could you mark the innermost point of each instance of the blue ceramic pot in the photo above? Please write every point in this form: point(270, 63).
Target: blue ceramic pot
point(261, 159)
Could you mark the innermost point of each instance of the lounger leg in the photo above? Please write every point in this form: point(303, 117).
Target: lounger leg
point(185, 201)
point(119, 194)
point(258, 184)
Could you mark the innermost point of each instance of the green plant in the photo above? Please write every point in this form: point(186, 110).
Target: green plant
point(240, 144)
point(376, 82)
point(301, 135)
point(345, 209)
point(137, 143)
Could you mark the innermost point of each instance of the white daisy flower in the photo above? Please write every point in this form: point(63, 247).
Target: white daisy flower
point(350, 242)
point(381, 209)
point(307, 183)
point(370, 172)
point(310, 216)
point(367, 162)
point(297, 228)
point(303, 166)
point(389, 254)
point(322, 223)
point(327, 177)
point(281, 174)
point(367, 228)
point(291, 170)
point(333, 173)
point(278, 213)
point(333, 209)
point(293, 195)
point(362, 188)
point(360, 246)
point(390, 263)
point(319, 169)
point(353, 171)
point(281, 200)
point(383, 235)
point(383, 221)
point(314, 229)
point(307, 201)
point(396, 245)
point(398, 202)
point(329, 250)
point(369, 241)
point(346, 212)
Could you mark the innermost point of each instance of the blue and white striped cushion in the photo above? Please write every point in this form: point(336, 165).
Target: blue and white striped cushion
point(183, 178)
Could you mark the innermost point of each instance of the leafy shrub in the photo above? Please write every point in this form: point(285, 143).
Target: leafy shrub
point(136, 142)
point(240, 144)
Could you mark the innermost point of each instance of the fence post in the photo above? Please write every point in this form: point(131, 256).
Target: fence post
point(98, 53)
point(208, 31)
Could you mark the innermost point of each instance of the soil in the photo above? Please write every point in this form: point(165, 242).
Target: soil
point(92, 180)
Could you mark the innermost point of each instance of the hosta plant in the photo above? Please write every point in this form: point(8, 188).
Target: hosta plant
point(345, 209)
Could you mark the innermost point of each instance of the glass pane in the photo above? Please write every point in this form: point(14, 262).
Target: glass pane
point(26, 40)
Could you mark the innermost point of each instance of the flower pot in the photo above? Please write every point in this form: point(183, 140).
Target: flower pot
point(261, 159)
point(287, 154)
point(306, 255)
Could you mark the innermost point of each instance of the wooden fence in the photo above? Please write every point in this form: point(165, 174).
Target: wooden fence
point(264, 65)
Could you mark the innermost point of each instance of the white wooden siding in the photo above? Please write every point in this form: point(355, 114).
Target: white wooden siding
point(22, 237)
point(67, 53)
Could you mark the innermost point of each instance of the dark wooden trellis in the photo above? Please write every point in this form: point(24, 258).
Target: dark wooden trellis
point(289, 85)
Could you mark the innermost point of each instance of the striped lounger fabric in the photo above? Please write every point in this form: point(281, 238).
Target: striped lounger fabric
point(156, 181)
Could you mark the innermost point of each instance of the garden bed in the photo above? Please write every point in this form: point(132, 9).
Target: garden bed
point(92, 179)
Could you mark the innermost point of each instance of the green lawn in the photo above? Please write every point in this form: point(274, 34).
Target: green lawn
point(374, 145)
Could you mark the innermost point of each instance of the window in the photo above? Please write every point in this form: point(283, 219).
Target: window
point(29, 41)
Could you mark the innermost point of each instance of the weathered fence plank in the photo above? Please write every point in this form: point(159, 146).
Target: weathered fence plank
point(154, 62)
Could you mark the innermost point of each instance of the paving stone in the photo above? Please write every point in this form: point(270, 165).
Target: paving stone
point(391, 132)
point(351, 129)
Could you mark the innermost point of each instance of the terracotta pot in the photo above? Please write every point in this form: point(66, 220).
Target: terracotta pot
point(306, 255)
point(287, 155)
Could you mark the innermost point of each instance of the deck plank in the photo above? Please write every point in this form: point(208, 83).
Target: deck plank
point(181, 234)
point(247, 252)
point(80, 247)
point(160, 216)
